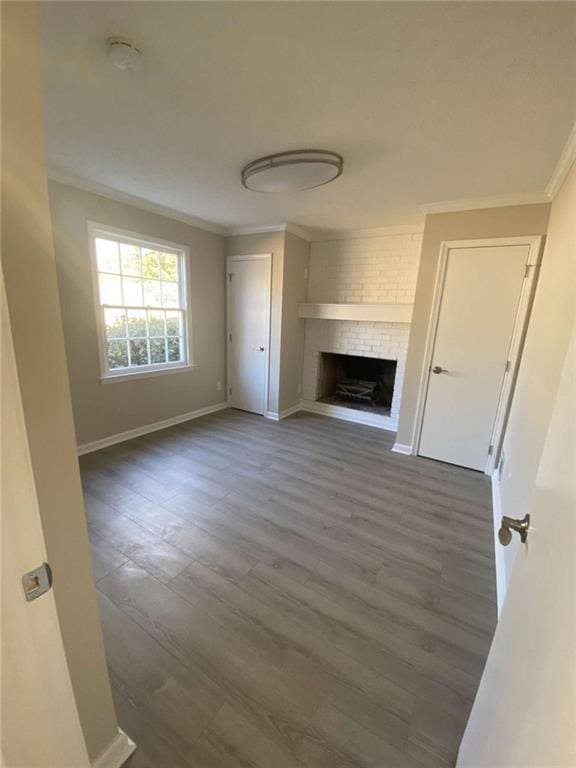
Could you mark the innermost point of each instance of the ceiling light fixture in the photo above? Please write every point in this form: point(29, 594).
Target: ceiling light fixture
point(292, 171)
point(123, 54)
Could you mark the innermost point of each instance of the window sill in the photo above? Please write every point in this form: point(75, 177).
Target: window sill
point(112, 379)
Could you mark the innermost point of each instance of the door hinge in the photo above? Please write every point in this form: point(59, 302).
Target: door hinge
point(230, 276)
point(229, 337)
point(230, 390)
point(490, 450)
point(527, 270)
point(508, 366)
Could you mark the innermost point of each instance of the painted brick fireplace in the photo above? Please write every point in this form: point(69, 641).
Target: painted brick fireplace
point(369, 270)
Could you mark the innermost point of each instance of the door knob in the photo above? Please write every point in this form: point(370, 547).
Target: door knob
point(510, 524)
point(439, 369)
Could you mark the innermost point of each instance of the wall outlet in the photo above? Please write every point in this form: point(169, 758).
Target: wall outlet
point(219, 386)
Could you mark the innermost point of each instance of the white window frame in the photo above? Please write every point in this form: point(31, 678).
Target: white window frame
point(97, 229)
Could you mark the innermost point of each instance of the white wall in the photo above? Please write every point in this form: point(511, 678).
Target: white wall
point(525, 709)
point(370, 270)
point(544, 351)
point(296, 264)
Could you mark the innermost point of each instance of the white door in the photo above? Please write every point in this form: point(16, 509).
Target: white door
point(41, 727)
point(524, 715)
point(478, 309)
point(248, 331)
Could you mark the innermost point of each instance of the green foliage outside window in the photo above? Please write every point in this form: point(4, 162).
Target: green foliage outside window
point(140, 294)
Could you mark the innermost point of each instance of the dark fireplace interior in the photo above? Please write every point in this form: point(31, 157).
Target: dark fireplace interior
point(361, 383)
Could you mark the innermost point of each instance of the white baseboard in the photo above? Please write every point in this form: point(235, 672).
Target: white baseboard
point(349, 414)
point(120, 437)
point(116, 753)
point(290, 411)
point(402, 448)
point(274, 416)
point(498, 548)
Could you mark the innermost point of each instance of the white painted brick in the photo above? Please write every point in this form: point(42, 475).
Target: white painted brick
point(379, 270)
point(374, 270)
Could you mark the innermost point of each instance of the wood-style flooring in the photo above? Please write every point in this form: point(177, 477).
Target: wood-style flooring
point(289, 594)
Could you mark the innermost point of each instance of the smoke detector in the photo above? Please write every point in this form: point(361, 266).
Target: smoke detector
point(123, 54)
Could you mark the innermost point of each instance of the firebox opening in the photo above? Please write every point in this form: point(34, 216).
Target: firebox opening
point(360, 383)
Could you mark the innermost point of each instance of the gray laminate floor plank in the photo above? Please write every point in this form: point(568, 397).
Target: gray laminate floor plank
point(179, 698)
point(105, 557)
point(289, 594)
point(296, 648)
point(231, 741)
point(138, 544)
point(381, 645)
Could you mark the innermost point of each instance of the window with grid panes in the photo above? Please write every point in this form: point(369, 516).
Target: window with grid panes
point(141, 303)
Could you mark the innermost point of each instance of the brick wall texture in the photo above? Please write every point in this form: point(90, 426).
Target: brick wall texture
point(372, 270)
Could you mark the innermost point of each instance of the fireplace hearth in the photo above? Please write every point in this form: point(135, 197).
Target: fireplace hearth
point(359, 383)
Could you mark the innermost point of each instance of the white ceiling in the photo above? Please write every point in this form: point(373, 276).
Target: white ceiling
point(426, 102)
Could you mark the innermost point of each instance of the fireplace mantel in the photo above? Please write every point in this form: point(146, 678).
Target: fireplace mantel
point(375, 313)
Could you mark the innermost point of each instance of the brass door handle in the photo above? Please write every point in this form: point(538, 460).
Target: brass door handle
point(510, 524)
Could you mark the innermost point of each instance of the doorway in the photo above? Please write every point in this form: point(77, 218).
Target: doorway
point(480, 310)
point(248, 340)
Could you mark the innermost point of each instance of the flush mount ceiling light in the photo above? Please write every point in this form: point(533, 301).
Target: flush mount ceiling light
point(292, 171)
point(123, 54)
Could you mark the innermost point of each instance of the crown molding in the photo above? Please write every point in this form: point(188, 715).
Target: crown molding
point(323, 236)
point(500, 201)
point(294, 229)
point(231, 231)
point(300, 232)
point(567, 158)
point(86, 185)
point(566, 161)
point(79, 182)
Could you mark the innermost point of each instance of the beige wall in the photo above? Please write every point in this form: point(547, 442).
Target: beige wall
point(511, 221)
point(544, 352)
point(296, 265)
point(32, 650)
point(34, 309)
point(267, 242)
point(103, 409)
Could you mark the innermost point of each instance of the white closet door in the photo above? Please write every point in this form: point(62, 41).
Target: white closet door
point(248, 332)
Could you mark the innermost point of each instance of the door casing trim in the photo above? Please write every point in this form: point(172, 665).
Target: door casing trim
point(535, 244)
point(229, 261)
